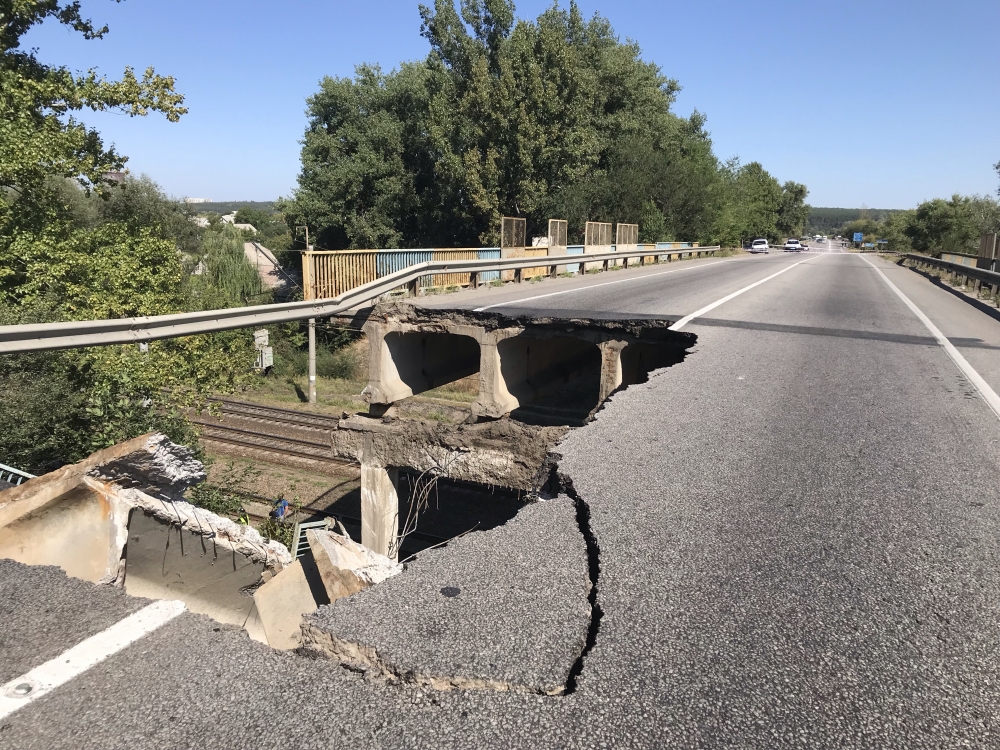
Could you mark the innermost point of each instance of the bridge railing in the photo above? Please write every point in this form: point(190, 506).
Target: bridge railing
point(329, 273)
point(10, 475)
point(76, 333)
point(962, 270)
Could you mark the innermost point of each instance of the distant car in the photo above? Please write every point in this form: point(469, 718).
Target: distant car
point(760, 246)
point(792, 245)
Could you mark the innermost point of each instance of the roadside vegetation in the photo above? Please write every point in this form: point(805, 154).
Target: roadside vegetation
point(933, 227)
point(81, 238)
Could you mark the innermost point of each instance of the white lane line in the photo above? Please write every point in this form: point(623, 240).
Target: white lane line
point(41, 680)
point(698, 313)
point(605, 283)
point(988, 394)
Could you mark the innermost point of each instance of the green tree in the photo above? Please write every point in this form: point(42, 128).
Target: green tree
point(793, 212)
point(547, 118)
point(75, 245)
point(944, 226)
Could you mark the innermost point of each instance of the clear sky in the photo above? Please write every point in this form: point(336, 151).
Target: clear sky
point(883, 103)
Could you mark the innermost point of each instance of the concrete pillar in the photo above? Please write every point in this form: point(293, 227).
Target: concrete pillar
point(611, 368)
point(379, 503)
point(494, 400)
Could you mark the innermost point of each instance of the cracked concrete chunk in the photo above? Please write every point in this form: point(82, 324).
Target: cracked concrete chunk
point(281, 602)
point(504, 609)
point(346, 567)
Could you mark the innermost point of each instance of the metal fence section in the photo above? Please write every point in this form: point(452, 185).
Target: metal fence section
point(10, 475)
point(327, 274)
point(989, 247)
point(960, 259)
point(558, 232)
point(513, 232)
point(596, 239)
point(627, 235)
point(300, 545)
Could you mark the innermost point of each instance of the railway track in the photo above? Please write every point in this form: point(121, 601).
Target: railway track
point(273, 433)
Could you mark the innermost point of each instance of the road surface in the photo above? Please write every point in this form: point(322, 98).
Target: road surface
point(799, 533)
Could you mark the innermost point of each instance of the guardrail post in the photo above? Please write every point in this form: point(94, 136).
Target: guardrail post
point(553, 271)
point(474, 279)
point(414, 287)
point(625, 262)
point(605, 266)
point(517, 275)
point(976, 286)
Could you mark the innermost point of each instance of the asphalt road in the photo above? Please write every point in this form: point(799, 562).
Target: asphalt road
point(798, 530)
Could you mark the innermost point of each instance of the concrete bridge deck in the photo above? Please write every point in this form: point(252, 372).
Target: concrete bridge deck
point(793, 535)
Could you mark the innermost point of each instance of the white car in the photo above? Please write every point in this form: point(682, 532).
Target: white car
point(792, 245)
point(760, 246)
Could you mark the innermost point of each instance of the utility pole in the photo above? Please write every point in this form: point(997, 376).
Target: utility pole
point(312, 341)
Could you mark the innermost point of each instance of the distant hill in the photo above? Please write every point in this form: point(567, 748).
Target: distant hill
point(826, 220)
point(227, 207)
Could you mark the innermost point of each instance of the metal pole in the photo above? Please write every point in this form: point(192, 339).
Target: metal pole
point(312, 360)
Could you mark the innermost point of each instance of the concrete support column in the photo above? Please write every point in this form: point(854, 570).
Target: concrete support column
point(379, 503)
point(611, 368)
point(494, 400)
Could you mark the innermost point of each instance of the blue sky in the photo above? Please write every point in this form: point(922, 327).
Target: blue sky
point(883, 103)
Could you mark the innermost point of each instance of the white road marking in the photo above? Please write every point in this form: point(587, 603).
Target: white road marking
point(41, 680)
point(698, 313)
point(605, 283)
point(988, 394)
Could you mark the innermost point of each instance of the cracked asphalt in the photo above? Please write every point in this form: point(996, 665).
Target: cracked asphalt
point(798, 530)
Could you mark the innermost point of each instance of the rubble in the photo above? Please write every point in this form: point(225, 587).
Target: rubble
point(280, 604)
point(346, 567)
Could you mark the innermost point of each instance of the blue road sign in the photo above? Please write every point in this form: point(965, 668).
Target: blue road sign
point(882, 242)
point(858, 236)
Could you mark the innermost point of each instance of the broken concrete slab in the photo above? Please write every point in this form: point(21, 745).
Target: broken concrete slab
point(166, 561)
point(42, 521)
point(505, 452)
point(505, 609)
point(96, 521)
point(280, 603)
point(346, 567)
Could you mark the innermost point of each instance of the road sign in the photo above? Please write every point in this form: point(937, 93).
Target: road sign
point(858, 236)
point(868, 244)
point(882, 242)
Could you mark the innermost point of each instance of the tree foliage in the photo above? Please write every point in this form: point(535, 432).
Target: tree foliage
point(548, 118)
point(75, 245)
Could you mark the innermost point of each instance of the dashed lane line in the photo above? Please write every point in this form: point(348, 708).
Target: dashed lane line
point(708, 308)
point(45, 678)
point(988, 394)
point(604, 283)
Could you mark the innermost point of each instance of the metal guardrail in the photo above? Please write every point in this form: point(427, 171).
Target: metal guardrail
point(76, 333)
point(969, 272)
point(10, 475)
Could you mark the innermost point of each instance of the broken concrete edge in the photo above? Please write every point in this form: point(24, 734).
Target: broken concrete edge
point(162, 467)
point(222, 531)
point(504, 453)
point(359, 657)
point(404, 311)
point(153, 452)
point(336, 554)
point(365, 658)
